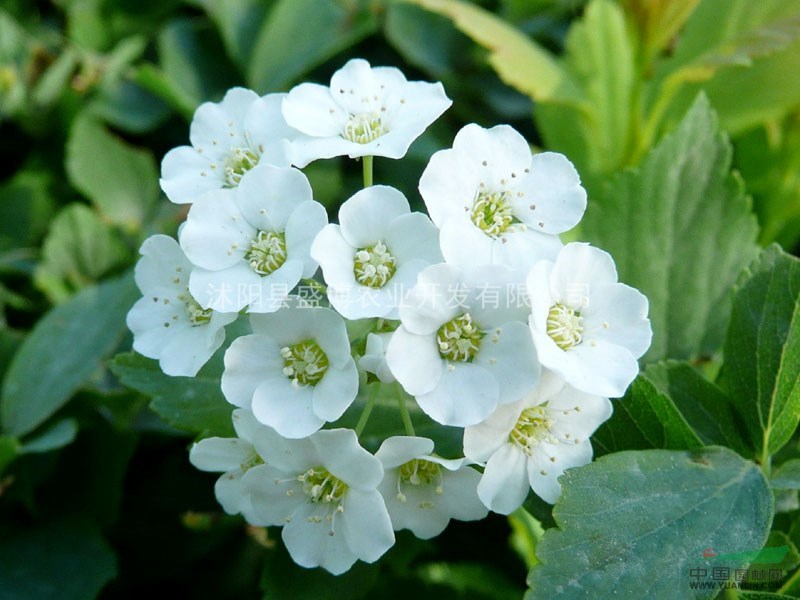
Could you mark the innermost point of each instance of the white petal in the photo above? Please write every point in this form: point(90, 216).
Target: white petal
point(500, 154)
point(504, 485)
point(189, 348)
point(365, 217)
point(186, 175)
point(617, 314)
point(413, 236)
point(596, 367)
point(153, 322)
point(335, 392)
point(397, 450)
point(355, 86)
point(220, 125)
point(245, 424)
point(461, 495)
point(230, 494)
point(374, 359)
point(578, 268)
point(219, 455)
point(365, 525)
point(308, 540)
point(248, 361)
point(414, 360)
point(163, 265)
point(340, 453)
point(552, 199)
point(464, 245)
point(433, 301)
point(310, 108)
point(216, 235)
point(543, 474)
point(335, 256)
point(465, 395)
point(268, 131)
point(413, 511)
point(508, 354)
point(449, 185)
point(270, 292)
point(483, 440)
point(226, 290)
point(541, 300)
point(304, 224)
point(522, 249)
point(286, 408)
point(275, 494)
point(268, 195)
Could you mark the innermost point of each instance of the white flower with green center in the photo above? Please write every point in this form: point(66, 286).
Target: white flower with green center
point(587, 326)
point(497, 204)
point(233, 457)
point(295, 371)
point(167, 323)
point(252, 246)
point(228, 139)
point(529, 444)
point(365, 112)
point(323, 490)
point(422, 491)
point(463, 346)
point(372, 257)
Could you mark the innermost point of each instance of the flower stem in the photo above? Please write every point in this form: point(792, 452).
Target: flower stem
point(367, 160)
point(401, 402)
point(371, 397)
point(790, 583)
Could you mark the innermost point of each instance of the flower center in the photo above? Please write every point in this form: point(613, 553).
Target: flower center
point(239, 162)
point(459, 339)
point(267, 252)
point(321, 486)
point(253, 461)
point(533, 426)
point(197, 314)
point(364, 128)
point(492, 213)
point(304, 363)
point(374, 266)
point(419, 472)
point(564, 326)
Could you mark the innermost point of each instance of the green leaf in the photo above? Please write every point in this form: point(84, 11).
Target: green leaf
point(26, 207)
point(9, 450)
point(762, 350)
point(193, 60)
point(79, 250)
point(644, 418)
point(787, 476)
point(119, 179)
point(526, 531)
point(55, 79)
point(637, 522)
point(238, 22)
point(193, 404)
point(54, 437)
point(470, 580)
point(704, 406)
point(62, 351)
point(517, 59)
point(63, 560)
point(299, 35)
point(680, 229)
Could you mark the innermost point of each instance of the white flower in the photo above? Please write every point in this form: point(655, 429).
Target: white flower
point(295, 372)
point(374, 359)
point(529, 444)
point(495, 204)
point(423, 492)
point(167, 323)
point(252, 245)
point(323, 490)
point(460, 349)
point(365, 112)
point(228, 139)
point(375, 253)
point(586, 326)
point(232, 457)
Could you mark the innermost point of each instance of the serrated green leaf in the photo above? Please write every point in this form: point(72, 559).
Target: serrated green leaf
point(63, 560)
point(704, 406)
point(79, 250)
point(680, 229)
point(637, 522)
point(193, 404)
point(762, 350)
point(787, 475)
point(517, 59)
point(299, 35)
point(62, 351)
point(645, 418)
point(119, 179)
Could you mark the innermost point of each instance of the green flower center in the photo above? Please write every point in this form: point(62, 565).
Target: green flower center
point(419, 472)
point(240, 161)
point(267, 252)
point(253, 461)
point(304, 363)
point(492, 213)
point(374, 266)
point(364, 128)
point(533, 426)
point(197, 314)
point(564, 326)
point(321, 486)
point(459, 339)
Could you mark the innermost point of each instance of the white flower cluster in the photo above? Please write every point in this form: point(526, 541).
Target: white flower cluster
point(478, 317)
